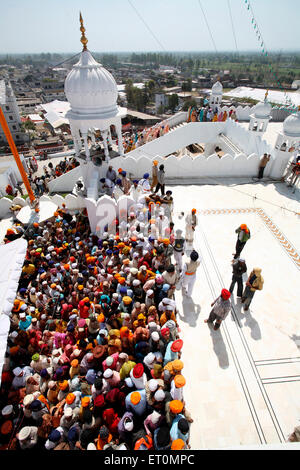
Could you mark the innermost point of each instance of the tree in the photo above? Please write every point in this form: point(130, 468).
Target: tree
point(27, 127)
point(161, 109)
point(188, 103)
point(173, 101)
point(187, 86)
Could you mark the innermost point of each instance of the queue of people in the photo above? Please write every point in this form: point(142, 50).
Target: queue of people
point(93, 358)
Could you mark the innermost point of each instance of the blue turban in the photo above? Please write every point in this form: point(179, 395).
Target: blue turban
point(54, 436)
point(36, 405)
point(73, 434)
point(146, 175)
point(166, 287)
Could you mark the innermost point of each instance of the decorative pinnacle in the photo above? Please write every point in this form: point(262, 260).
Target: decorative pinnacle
point(266, 95)
point(83, 39)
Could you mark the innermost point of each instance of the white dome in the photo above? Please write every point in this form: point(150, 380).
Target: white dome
point(90, 88)
point(262, 110)
point(217, 88)
point(291, 125)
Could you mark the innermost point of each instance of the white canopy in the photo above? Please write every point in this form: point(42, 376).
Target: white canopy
point(12, 256)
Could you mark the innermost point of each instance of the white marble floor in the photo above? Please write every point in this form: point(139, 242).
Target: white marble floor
point(243, 381)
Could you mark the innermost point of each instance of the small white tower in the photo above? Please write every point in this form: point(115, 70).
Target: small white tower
point(11, 112)
point(288, 142)
point(259, 120)
point(215, 98)
point(92, 93)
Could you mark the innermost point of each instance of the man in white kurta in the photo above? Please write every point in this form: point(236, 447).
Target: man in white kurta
point(191, 221)
point(189, 273)
point(118, 190)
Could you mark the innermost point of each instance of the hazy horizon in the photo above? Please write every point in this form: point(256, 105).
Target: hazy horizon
point(288, 51)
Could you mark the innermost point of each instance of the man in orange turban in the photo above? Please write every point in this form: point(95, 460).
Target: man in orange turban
point(243, 236)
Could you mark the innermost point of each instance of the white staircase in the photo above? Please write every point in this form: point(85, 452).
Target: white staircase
point(230, 144)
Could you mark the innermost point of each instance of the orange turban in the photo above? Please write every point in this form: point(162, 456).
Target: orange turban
point(101, 318)
point(155, 162)
point(179, 381)
point(124, 332)
point(178, 444)
point(244, 227)
point(126, 299)
point(74, 363)
point(166, 241)
point(194, 211)
point(176, 406)
point(122, 280)
point(67, 267)
point(177, 365)
point(135, 398)
point(85, 401)
point(70, 398)
point(63, 385)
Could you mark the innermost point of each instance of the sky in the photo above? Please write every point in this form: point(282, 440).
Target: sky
point(35, 26)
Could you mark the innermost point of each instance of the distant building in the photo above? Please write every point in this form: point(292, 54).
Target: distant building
point(160, 100)
point(10, 109)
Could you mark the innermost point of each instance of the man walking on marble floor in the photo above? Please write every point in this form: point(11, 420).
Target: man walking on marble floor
point(221, 308)
point(243, 236)
point(191, 221)
point(189, 271)
point(238, 269)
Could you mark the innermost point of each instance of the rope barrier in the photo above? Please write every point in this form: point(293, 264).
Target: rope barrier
point(290, 107)
point(147, 26)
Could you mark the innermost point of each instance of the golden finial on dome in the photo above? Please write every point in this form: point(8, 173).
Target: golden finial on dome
point(83, 39)
point(266, 95)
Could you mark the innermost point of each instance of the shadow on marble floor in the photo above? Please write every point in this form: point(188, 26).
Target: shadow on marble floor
point(296, 340)
point(219, 346)
point(190, 310)
point(245, 318)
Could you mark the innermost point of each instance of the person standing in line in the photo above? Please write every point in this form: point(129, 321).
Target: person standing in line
point(221, 308)
point(243, 236)
point(161, 180)
point(262, 165)
point(255, 282)
point(154, 175)
point(238, 269)
point(111, 174)
point(179, 247)
point(189, 273)
point(126, 184)
point(191, 221)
